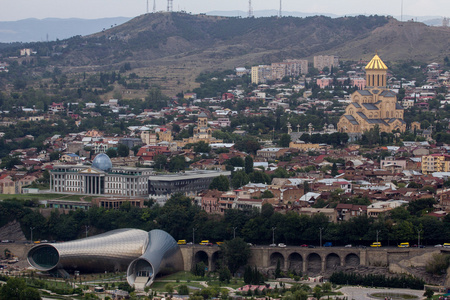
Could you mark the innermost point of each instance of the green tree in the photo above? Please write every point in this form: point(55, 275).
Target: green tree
point(183, 289)
point(236, 253)
point(334, 170)
point(111, 152)
point(168, 288)
point(278, 269)
point(267, 194)
point(317, 292)
point(239, 179)
point(285, 139)
point(177, 163)
point(123, 150)
point(16, 289)
point(160, 162)
point(9, 162)
point(202, 147)
point(248, 164)
point(220, 183)
point(428, 293)
point(199, 269)
point(224, 274)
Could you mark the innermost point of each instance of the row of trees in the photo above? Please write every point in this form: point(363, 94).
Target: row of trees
point(180, 217)
point(377, 280)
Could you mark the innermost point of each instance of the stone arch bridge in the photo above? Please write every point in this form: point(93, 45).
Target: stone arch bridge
point(310, 261)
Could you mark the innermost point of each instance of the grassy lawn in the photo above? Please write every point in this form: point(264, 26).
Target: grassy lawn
point(184, 277)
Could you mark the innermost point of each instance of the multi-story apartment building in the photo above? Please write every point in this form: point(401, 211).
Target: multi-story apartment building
point(435, 163)
point(290, 68)
point(322, 61)
point(261, 73)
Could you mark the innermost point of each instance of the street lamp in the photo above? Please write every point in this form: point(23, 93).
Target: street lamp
point(320, 235)
point(31, 228)
point(234, 232)
point(193, 236)
point(377, 235)
point(418, 237)
point(273, 235)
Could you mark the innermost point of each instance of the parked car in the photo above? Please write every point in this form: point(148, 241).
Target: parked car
point(348, 246)
point(376, 244)
point(446, 245)
point(304, 245)
point(438, 245)
point(328, 244)
point(181, 242)
point(272, 245)
point(311, 246)
point(282, 245)
point(404, 245)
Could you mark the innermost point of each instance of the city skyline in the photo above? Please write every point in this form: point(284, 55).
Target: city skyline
point(93, 9)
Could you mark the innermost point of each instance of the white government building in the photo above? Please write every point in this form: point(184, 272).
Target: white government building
point(103, 179)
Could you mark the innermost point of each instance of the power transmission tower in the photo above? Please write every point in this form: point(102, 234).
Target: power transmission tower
point(250, 9)
point(169, 5)
point(279, 14)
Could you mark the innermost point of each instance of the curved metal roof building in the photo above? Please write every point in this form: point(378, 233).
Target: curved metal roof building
point(143, 254)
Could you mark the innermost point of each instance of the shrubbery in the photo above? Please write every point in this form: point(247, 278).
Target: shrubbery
point(377, 280)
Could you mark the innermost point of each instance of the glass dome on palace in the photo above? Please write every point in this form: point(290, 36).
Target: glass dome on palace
point(102, 162)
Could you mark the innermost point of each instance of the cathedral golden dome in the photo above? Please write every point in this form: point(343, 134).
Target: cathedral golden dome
point(376, 64)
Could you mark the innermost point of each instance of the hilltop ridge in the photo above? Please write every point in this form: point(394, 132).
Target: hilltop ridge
point(173, 48)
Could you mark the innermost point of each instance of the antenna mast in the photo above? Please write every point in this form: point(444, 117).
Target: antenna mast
point(401, 13)
point(169, 5)
point(250, 9)
point(154, 6)
point(279, 15)
point(147, 6)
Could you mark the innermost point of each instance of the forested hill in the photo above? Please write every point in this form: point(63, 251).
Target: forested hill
point(175, 47)
point(155, 36)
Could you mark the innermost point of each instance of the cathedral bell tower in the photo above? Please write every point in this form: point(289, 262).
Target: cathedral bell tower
point(376, 72)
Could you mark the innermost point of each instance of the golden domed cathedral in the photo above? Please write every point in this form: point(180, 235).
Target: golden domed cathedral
point(375, 105)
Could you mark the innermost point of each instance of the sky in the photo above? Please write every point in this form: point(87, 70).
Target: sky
point(12, 10)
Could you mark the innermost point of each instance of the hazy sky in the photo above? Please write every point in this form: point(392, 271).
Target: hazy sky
point(90, 9)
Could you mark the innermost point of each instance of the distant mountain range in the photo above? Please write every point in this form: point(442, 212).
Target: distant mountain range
point(35, 30)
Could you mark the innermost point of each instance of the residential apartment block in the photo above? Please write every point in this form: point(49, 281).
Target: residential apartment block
point(435, 163)
point(290, 68)
point(322, 61)
point(261, 73)
point(276, 71)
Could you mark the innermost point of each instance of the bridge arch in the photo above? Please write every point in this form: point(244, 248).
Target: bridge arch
point(352, 260)
point(275, 257)
point(314, 264)
point(214, 260)
point(201, 256)
point(295, 262)
point(332, 261)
